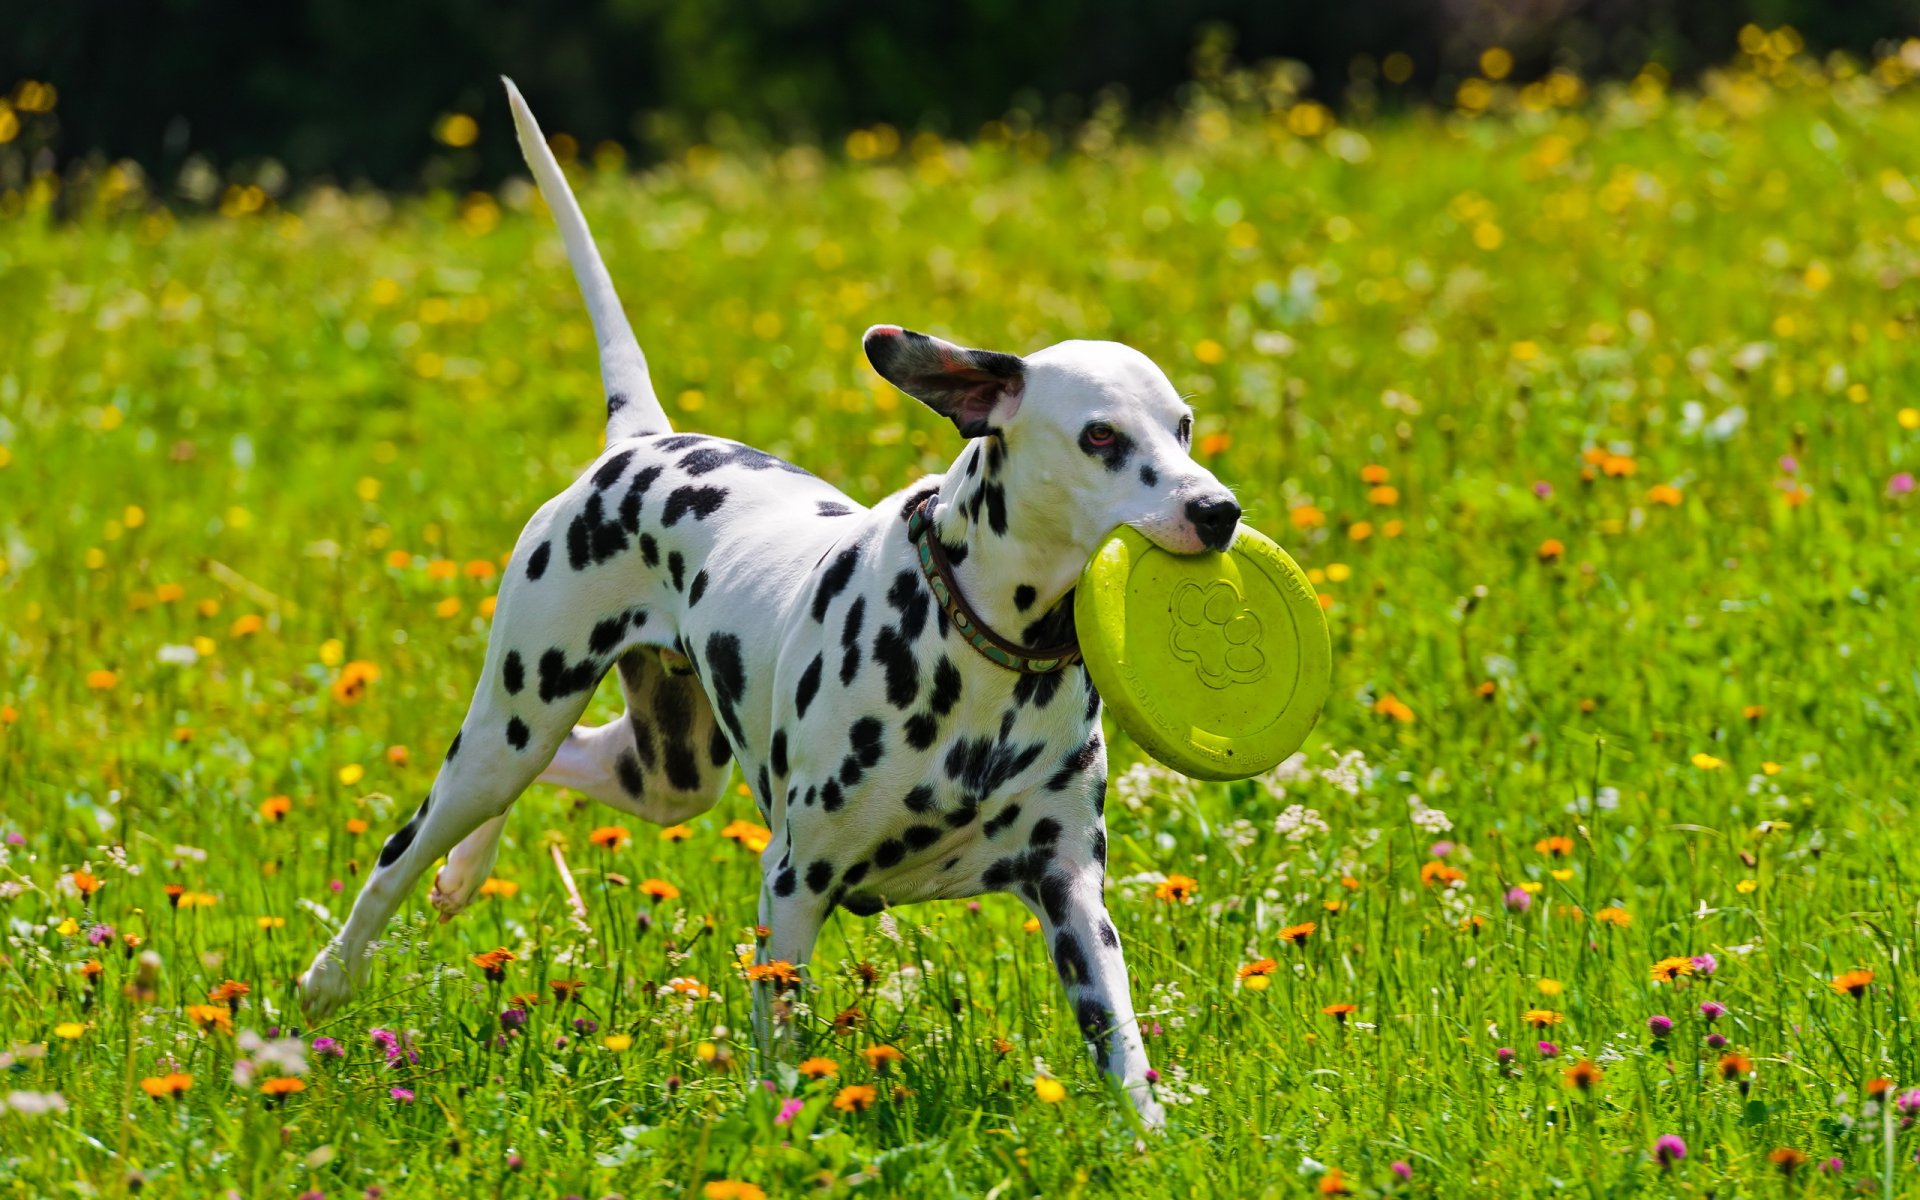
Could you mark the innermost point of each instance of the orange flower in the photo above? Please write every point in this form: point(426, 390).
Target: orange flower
point(1214, 443)
point(1259, 969)
point(566, 989)
point(283, 1085)
point(210, 1017)
point(1384, 496)
point(1879, 1086)
point(1665, 493)
point(1551, 550)
point(85, 882)
point(1393, 706)
point(1557, 846)
point(750, 836)
point(855, 1098)
point(166, 1087)
point(1753, 712)
point(174, 892)
point(659, 889)
point(398, 755)
point(1733, 1066)
point(504, 888)
point(1298, 934)
point(1434, 871)
point(1583, 1075)
point(819, 1068)
point(356, 825)
point(1666, 969)
point(686, 985)
point(494, 962)
point(1619, 918)
point(1787, 1159)
point(229, 994)
point(1177, 889)
point(1373, 473)
point(782, 975)
point(1852, 983)
point(880, 1057)
point(676, 833)
point(1306, 516)
point(1339, 1012)
point(102, 680)
point(276, 808)
point(1333, 1183)
point(1618, 466)
point(610, 837)
point(350, 687)
point(1541, 1018)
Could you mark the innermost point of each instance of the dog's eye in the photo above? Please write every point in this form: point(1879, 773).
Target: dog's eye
point(1186, 430)
point(1099, 434)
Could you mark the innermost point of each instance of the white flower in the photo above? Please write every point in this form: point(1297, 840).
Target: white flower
point(1298, 823)
point(34, 1104)
point(178, 656)
point(1428, 820)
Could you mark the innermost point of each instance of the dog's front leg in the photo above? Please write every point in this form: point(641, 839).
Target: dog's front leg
point(1072, 909)
point(793, 925)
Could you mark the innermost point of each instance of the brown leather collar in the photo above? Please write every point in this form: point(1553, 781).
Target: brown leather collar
point(946, 591)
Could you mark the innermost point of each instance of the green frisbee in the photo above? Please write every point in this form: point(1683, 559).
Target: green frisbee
point(1217, 663)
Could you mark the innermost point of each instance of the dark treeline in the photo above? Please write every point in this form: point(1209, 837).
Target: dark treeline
point(351, 90)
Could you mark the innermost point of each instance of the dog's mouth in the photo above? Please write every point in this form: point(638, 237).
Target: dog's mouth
point(1174, 536)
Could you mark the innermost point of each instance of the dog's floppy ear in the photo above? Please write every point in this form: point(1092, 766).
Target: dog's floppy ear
point(968, 387)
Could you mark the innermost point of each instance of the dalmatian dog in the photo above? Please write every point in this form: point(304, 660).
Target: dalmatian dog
point(898, 684)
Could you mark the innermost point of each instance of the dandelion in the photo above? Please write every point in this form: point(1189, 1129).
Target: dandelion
point(732, 1189)
point(1667, 969)
point(1583, 1075)
point(1668, 1149)
point(494, 963)
point(1541, 1018)
point(753, 838)
point(70, 1031)
point(819, 1068)
point(210, 1018)
point(659, 889)
point(1852, 983)
point(1177, 889)
point(855, 1098)
point(1707, 762)
point(1619, 918)
point(1049, 1089)
point(610, 837)
point(1298, 934)
point(619, 1043)
point(1550, 987)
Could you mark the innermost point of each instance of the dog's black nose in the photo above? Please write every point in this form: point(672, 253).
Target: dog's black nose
point(1214, 520)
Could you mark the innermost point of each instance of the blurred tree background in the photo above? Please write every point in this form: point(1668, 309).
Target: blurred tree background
point(352, 90)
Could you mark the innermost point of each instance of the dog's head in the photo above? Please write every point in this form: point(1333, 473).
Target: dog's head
point(1094, 435)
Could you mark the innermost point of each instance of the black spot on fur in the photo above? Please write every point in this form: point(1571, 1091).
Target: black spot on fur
point(1096, 1024)
point(649, 550)
point(809, 687)
point(868, 738)
point(537, 561)
point(732, 454)
point(591, 538)
point(698, 589)
point(996, 497)
point(1108, 937)
point(676, 569)
point(983, 765)
point(1037, 690)
point(855, 873)
point(558, 679)
point(728, 679)
point(1097, 844)
point(819, 876)
point(850, 639)
point(513, 673)
point(921, 729)
point(673, 714)
point(615, 402)
point(1115, 453)
point(630, 503)
point(783, 885)
point(831, 797)
point(946, 686)
point(454, 748)
point(863, 906)
point(397, 844)
point(1070, 960)
point(610, 471)
point(1001, 820)
point(919, 837)
point(914, 501)
point(919, 800)
point(607, 634)
point(1148, 475)
point(518, 733)
point(887, 853)
point(834, 580)
point(1024, 596)
point(832, 508)
point(1046, 831)
point(702, 502)
point(1054, 628)
point(631, 777)
point(1053, 896)
point(718, 751)
point(909, 596)
point(1075, 763)
point(676, 442)
point(777, 756)
point(895, 653)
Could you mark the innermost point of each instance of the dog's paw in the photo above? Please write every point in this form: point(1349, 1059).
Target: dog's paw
point(326, 986)
point(453, 891)
point(1152, 1116)
point(458, 883)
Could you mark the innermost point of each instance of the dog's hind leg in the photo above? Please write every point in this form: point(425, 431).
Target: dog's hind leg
point(664, 760)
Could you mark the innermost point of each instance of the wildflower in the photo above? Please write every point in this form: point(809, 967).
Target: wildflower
point(513, 1019)
point(494, 963)
point(1339, 1012)
point(229, 993)
point(1787, 1159)
point(1900, 484)
point(1878, 1086)
point(1716, 1041)
point(781, 974)
point(1434, 871)
point(686, 985)
point(751, 837)
point(327, 1047)
point(1660, 1026)
point(209, 1017)
point(1518, 900)
point(84, 882)
point(1852, 983)
point(1333, 1183)
point(619, 1043)
point(1557, 846)
point(1667, 1150)
point(1505, 1055)
point(166, 1087)
point(1705, 964)
point(1373, 474)
point(1707, 762)
point(789, 1109)
point(1049, 1089)
point(880, 1057)
point(100, 935)
point(610, 837)
point(733, 1189)
point(71, 1031)
point(1298, 934)
point(102, 680)
point(401, 1095)
point(819, 1068)
point(1550, 987)
point(506, 889)
point(1253, 976)
point(1734, 1066)
point(1619, 918)
point(1664, 493)
point(659, 889)
point(350, 687)
point(1393, 707)
point(1583, 1075)
point(676, 833)
point(1403, 1169)
point(1666, 969)
point(1551, 550)
point(1547, 1049)
point(855, 1098)
point(1177, 889)
point(1541, 1018)
point(1908, 1102)
point(566, 989)
point(282, 1085)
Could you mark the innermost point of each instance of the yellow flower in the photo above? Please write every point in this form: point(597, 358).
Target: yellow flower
point(1619, 918)
point(1707, 762)
point(1031, 925)
point(1561, 874)
point(619, 1043)
point(1176, 889)
point(733, 1189)
point(855, 1098)
point(1550, 987)
point(1746, 887)
point(70, 1030)
point(1666, 969)
point(1049, 1089)
point(351, 774)
point(819, 1068)
point(1541, 1018)
point(676, 833)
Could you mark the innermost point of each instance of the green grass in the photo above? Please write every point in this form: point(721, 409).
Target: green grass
point(310, 405)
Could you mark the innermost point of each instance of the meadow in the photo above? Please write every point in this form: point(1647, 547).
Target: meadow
point(1591, 409)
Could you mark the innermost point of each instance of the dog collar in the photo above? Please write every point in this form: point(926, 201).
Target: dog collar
point(946, 591)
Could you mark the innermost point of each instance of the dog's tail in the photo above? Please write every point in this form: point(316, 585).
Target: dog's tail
point(632, 408)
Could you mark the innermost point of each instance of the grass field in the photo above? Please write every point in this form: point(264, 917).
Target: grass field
point(1591, 411)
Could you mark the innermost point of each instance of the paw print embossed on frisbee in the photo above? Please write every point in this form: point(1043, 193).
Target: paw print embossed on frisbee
point(1216, 664)
point(1214, 629)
